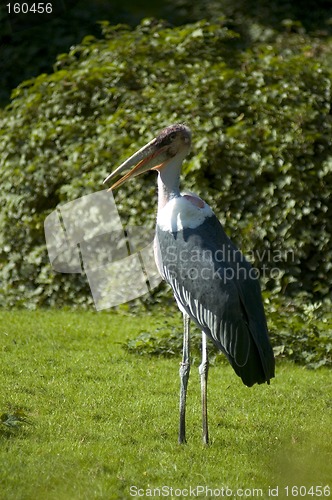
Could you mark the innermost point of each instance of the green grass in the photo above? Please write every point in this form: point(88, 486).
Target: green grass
point(102, 420)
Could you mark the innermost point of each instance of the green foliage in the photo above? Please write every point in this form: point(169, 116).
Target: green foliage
point(10, 421)
point(26, 51)
point(166, 341)
point(262, 132)
point(302, 331)
point(299, 330)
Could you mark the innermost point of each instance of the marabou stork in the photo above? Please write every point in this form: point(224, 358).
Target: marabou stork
point(212, 282)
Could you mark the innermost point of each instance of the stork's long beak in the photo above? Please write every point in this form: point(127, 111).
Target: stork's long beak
point(150, 156)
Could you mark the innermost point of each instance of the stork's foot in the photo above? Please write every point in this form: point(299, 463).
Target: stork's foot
point(182, 439)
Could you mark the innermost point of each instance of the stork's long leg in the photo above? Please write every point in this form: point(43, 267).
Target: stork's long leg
point(203, 371)
point(184, 377)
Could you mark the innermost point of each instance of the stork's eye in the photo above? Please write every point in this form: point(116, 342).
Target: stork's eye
point(172, 136)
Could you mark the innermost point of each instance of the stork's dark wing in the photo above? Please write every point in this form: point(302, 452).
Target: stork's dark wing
point(218, 289)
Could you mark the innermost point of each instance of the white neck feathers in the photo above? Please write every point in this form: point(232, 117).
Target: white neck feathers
point(181, 212)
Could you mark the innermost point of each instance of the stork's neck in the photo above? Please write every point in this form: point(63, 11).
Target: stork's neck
point(169, 182)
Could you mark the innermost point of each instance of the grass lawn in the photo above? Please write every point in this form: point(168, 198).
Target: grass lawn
point(103, 422)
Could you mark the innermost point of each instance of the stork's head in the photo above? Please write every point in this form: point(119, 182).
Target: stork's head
point(172, 144)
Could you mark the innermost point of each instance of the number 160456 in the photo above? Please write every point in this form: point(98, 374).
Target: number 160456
point(25, 8)
point(307, 491)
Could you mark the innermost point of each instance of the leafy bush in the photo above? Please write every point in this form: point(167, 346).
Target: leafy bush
point(302, 331)
point(299, 330)
point(261, 157)
point(26, 51)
